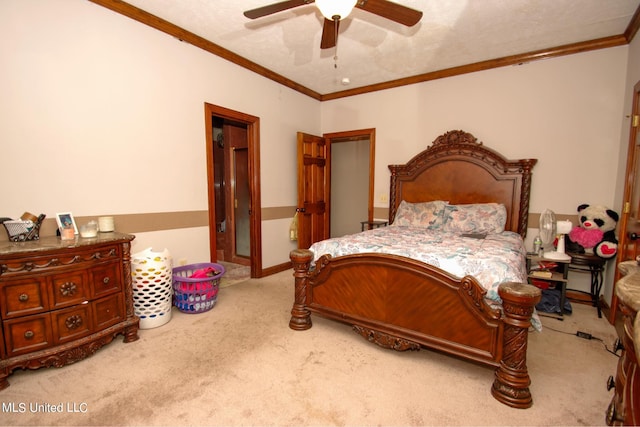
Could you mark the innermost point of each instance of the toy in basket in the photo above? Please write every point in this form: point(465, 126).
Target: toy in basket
point(195, 286)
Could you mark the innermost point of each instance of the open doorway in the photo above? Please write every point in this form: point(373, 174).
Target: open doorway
point(232, 192)
point(350, 178)
point(233, 176)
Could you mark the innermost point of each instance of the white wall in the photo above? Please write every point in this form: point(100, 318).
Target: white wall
point(100, 114)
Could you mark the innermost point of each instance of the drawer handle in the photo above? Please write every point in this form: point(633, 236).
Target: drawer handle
point(612, 414)
point(23, 297)
point(73, 322)
point(68, 289)
point(29, 334)
point(105, 280)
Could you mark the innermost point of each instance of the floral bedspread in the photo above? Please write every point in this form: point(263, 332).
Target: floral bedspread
point(492, 260)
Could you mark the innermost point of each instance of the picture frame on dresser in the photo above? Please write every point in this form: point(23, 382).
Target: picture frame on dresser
point(65, 219)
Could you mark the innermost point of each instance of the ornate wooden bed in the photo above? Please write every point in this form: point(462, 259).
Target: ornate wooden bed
point(404, 304)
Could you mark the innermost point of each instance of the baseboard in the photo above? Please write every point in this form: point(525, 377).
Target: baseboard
point(276, 269)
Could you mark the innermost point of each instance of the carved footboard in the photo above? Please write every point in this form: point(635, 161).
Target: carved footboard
point(404, 304)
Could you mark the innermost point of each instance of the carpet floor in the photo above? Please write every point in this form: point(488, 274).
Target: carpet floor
point(239, 364)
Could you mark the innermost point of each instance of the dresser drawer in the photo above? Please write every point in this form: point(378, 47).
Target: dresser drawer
point(69, 288)
point(23, 297)
point(108, 311)
point(71, 323)
point(27, 334)
point(105, 279)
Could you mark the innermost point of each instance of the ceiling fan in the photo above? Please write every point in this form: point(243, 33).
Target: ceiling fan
point(336, 10)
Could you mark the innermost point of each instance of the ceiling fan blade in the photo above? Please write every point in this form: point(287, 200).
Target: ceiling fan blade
point(390, 10)
point(329, 33)
point(274, 8)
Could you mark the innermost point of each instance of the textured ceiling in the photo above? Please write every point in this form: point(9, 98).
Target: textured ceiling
point(372, 50)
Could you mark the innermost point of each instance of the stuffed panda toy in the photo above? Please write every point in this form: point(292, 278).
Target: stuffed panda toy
point(595, 233)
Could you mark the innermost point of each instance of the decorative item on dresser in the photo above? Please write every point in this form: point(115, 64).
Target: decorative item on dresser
point(624, 408)
point(61, 301)
point(403, 303)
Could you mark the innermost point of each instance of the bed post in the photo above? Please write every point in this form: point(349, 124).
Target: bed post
point(511, 385)
point(300, 316)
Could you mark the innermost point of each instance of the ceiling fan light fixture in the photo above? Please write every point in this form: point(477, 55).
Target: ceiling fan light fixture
point(335, 9)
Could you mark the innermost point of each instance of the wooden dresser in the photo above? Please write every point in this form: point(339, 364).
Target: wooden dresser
point(61, 301)
point(624, 408)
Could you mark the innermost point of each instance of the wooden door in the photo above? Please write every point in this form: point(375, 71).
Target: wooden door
point(314, 186)
point(629, 225)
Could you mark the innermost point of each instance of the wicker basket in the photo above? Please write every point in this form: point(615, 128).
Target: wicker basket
point(196, 295)
point(20, 230)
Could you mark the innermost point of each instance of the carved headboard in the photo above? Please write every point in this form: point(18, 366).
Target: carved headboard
point(461, 170)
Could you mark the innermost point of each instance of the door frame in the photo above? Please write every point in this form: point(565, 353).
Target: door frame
point(253, 145)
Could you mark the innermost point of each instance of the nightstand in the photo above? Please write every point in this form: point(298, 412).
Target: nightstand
point(593, 264)
point(372, 224)
point(558, 279)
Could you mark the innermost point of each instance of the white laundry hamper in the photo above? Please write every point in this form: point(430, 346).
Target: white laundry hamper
point(151, 274)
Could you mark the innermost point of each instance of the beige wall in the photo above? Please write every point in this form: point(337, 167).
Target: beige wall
point(103, 115)
point(631, 79)
point(567, 112)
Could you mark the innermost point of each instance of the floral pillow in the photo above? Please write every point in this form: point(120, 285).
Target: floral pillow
point(429, 215)
point(475, 218)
